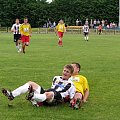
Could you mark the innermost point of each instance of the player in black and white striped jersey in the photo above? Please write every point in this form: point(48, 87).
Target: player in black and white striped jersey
point(17, 36)
point(86, 31)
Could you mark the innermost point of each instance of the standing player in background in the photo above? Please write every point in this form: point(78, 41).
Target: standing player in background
point(86, 31)
point(26, 32)
point(17, 36)
point(100, 29)
point(60, 29)
point(81, 85)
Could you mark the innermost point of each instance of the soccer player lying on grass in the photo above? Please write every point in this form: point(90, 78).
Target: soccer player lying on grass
point(81, 85)
point(61, 87)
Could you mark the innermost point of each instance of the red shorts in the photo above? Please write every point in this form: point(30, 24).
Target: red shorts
point(25, 39)
point(60, 34)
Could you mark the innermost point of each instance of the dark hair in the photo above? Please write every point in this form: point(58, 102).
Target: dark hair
point(69, 67)
point(77, 65)
point(25, 18)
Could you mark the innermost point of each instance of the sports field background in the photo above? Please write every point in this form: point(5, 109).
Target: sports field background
point(100, 61)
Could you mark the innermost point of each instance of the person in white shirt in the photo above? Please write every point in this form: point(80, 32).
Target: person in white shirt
point(17, 36)
point(61, 87)
point(86, 31)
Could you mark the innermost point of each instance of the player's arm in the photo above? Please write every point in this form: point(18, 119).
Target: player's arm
point(72, 94)
point(12, 29)
point(83, 29)
point(21, 30)
point(86, 95)
point(66, 87)
point(86, 90)
point(56, 30)
point(30, 30)
point(65, 26)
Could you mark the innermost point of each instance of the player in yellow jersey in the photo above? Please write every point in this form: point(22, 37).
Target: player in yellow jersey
point(26, 32)
point(60, 29)
point(81, 85)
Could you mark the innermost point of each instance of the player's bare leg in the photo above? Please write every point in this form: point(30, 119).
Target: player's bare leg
point(19, 45)
point(23, 48)
point(27, 44)
point(76, 103)
point(60, 41)
point(87, 37)
point(16, 44)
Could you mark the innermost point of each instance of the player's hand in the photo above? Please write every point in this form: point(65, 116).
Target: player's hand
point(72, 101)
point(84, 101)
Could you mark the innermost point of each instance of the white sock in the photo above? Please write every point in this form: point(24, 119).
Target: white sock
point(20, 90)
point(39, 97)
point(87, 37)
point(17, 47)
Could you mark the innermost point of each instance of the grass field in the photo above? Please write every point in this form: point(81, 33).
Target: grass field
point(100, 61)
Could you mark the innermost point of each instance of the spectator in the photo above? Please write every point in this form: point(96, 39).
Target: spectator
point(77, 22)
point(94, 23)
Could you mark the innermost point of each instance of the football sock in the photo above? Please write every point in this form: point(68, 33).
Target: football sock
point(39, 97)
point(17, 47)
point(20, 90)
point(87, 37)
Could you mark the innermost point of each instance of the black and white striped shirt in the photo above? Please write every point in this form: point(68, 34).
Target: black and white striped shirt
point(16, 27)
point(64, 87)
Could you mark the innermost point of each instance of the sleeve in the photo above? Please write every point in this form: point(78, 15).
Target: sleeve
point(86, 86)
point(53, 82)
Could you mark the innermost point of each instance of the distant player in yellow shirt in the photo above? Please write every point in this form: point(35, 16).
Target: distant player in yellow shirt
point(60, 29)
point(26, 32)
point(81, 85)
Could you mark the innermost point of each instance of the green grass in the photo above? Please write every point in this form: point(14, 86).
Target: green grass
point(100, 61)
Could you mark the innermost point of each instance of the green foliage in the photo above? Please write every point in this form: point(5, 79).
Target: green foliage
point(38, 11)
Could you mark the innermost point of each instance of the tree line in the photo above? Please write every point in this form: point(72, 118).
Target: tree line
point(39, 11)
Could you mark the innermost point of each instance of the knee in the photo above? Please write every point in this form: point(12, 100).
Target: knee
point(27, 43)
point(49, 95)
point(30, 82)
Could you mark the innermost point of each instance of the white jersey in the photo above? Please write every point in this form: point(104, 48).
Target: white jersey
point(86, 28)
point(65, 87)
point(16, 27)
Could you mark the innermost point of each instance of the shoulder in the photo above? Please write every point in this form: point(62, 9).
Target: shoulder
point(28, 24)
point(22, 24)
point(13, 24)
point(57, 77)
point(83, 77)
